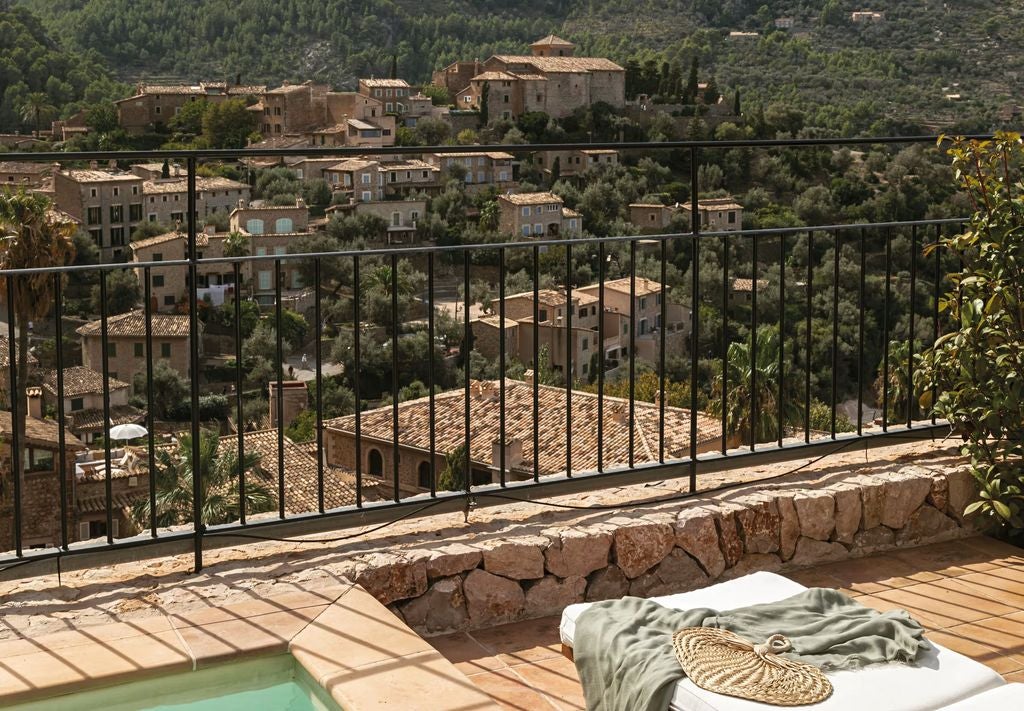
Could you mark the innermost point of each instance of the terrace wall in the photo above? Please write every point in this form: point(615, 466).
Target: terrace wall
point(668, 549)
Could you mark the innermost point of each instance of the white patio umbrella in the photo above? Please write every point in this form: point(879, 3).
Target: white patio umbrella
point(128, 431)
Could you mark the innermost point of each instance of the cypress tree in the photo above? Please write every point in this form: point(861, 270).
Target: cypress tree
point(736, 103)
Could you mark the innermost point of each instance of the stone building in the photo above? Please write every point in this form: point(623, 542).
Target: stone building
point(324, 117)
point(366, 180)
point(402, 217)
point(169, 285)
point(574, 162)
point(166, 199)
point(722, 214)
point(537, 215)
point(552, 79)
point(394, 93)
point(28, 174)
point(271, 229)
point(417, 465)
point(152, 106)
point(653, 217)
point(495, 169)
point(40, 485)
point(83, 401)
point(126, 344)
point(108, 203)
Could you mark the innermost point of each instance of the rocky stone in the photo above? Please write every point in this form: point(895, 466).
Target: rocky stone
point(872, 499)
point(925, 524)
point(607, 584)
point(963, 489)
point(905, 491)
point(758, 523)
point(939, 495)
point(681, 572)
point(647, 585)
point(521, 559)
point(452, 560)
point(642, 545)
point(789, 526)
point(492, 599)
point(752, 563)
point(872, 541)
point(728, 535)
point(390, 577)
point(441, 609)
point(810, 551)
point(575, 552)
point(697, 534)
point(550, 595)
point(816, 511)
point(848, 513)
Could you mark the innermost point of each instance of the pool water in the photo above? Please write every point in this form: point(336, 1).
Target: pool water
point(269, 684)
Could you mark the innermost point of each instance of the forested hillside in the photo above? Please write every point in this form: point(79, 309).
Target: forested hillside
point(844, 77)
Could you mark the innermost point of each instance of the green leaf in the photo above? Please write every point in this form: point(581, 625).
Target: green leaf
point(1002, 509)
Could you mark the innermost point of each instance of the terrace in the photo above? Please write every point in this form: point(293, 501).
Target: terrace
point(473, 514)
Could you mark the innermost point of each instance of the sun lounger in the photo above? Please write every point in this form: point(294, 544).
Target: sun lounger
point(941, 677)
point(1008, 697)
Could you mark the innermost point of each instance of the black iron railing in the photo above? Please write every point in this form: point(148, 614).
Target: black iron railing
point(796, 368)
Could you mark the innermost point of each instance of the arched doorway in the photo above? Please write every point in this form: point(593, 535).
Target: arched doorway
point(376, 463)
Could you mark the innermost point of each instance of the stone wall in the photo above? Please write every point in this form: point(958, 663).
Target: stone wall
point(668, 548)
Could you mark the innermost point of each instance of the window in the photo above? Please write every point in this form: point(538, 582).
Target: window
point(366, 179)
point(158, 256)
point(135, 212)
point(94, 215)
point(526, 212)
point(480, 176)
point(732, 217)
point(264, 280)
point(158, 280)
point(152, 217)
point(277, 111)
point(542, 315)
point(526, 230)
point(117, 235)
point(112, 351)
point(177, 216)
point(538, 229)
point(423, 477)
point(116, 213)
point(585, 345)
point(254, 227)
point(135, 190)
point(280, 250)
point(376, 463)
point(139, 350)
point(92, 192)
point(97, 237)
point(643, 303)
point(38, 460)
point(165, 350)
point(367, 196)
point(414, 215)
point(77, 403)
point(643, 326)
point(504, 99)
point(117, 191)
point(537, 210)
point(157, 110)
point(283, 225)
point(583, 312)
point(657, 299)
point(503, 175)
point(389, 107)
point(396, 219)
point(169, 300)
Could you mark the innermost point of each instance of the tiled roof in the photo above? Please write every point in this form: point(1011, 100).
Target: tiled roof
point(133, 324)
point(180, 185)
point(531, 198)
point(552, 40)
point(79, 380)
point(23, 167)
point(92, 420)
point(300, 473)
point(748, 284)
point(644, 286)
point(202, 240)
point(598, 151)
point(5, 359)
point(467, 154)
point(38, 431)
point(96, 504)
point(566, 212)
point(99, 176)
point(495, 76)
point(386, 83)
point(562, 64)
point(531, 77)
point(484, 426)
point(202, 89)
point(353, 164)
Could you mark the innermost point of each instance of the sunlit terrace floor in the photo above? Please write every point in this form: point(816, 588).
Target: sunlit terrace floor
point(969, 594)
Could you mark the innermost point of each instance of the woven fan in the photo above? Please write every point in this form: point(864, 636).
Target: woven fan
point(725, 663)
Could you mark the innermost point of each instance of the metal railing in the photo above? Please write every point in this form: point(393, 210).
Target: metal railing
point(796, 313)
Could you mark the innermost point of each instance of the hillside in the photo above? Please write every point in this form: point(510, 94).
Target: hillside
point(844, 77)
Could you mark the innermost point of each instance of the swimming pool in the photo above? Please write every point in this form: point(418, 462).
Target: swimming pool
point(269, 684)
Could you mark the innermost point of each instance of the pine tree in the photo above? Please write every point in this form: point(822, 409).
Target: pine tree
point(394, 66)
point(691, 83)
point(485, 108)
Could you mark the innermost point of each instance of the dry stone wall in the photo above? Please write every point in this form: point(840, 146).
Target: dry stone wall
point(670, 548)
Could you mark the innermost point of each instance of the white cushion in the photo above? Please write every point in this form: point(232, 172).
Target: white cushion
point(1001, 698)
point(941, 676)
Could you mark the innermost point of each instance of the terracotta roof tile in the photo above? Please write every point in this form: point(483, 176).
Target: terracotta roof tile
point(484, 424)
point(386, 83)
point(531, 198)
point(79, 380)
point(92, 419)
point(5, 357)
point(133, 325)
point(41, 431)
point(562, 64)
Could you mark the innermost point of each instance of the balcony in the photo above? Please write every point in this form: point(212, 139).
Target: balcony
point(340, 410)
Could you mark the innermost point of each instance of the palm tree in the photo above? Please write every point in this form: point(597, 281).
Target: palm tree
point(380, 278)
point(900, 387)
point(236, 244)
point(33, 236)
point(219, 474)
point(35, 108)
point(765, 372)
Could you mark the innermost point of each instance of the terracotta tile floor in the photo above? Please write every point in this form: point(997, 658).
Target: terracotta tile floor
point(969, 595)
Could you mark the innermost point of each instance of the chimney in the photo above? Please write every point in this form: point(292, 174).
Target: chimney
point(300, 203)
point(295, 400)
point(513, 453)
point(241, 203)
point(476, 389)
point(35, 402)
point(210, 230)
point(176, 170)
point(93, 165)
point(528, 376)
point(112, 164)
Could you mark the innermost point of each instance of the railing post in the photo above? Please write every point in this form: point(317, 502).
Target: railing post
point(695, 309)
point(17, 460)
point(198, 526)
point(105, 371)
point(58, 301)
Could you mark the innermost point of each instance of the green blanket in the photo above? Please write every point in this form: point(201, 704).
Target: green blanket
point(623, 648)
